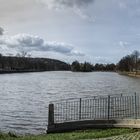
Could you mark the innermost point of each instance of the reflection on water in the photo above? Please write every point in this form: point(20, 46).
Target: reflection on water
point(24, 98)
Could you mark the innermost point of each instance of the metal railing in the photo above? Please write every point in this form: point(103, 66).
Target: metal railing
point(95, 108)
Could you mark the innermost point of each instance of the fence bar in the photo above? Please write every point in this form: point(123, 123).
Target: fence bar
point(135, 103)
point(80, 107)
point(108, 107)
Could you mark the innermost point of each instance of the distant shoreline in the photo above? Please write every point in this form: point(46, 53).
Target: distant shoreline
point(33, 71)
point(18, 71)
point(25, 71)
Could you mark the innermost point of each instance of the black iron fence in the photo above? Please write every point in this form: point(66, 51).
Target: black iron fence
point(95, 108)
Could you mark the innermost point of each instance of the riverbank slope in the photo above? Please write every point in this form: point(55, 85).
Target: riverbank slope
point(132, 74)
point(87, 134)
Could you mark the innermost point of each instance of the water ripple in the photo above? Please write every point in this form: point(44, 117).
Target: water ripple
point(24, 98)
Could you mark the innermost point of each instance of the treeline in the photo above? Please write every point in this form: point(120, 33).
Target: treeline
point(88, 67)
point(130, 63)
point(21, 64)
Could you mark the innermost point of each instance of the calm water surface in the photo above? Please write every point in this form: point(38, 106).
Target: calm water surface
point(24, 98)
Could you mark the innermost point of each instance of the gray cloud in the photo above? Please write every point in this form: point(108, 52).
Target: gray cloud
point(1, 31)
point(76, 5)
point(30, 43)
point(66, 3)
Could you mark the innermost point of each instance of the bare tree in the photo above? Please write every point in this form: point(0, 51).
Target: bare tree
point(22, 54)
point(136, 55)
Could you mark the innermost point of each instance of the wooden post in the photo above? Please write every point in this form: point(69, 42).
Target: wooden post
point(51, 115)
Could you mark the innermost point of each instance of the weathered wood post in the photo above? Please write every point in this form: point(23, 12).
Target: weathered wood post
point(51, 115)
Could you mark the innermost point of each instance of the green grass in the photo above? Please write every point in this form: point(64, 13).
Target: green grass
point(77, 135)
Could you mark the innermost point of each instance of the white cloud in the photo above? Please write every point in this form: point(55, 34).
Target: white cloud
point(124, 43)
point(29, 43)
point(85, 16)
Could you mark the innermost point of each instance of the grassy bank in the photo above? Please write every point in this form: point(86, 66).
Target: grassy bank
point(78, 135)
point(132, 74)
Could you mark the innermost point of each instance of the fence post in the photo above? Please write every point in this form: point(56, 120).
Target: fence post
point(108, 107)
point(80, 108)
point(51, 114)
point(135, 104)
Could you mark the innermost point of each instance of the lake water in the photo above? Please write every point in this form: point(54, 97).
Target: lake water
point(24, 97)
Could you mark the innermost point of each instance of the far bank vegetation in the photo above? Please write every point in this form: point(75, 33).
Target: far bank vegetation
point(130, 64)
point(88, 67)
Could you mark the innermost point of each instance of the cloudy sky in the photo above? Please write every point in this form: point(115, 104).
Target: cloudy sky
point(85, 30)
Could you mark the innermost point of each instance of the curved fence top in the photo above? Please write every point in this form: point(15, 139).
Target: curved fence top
point(96, 108)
